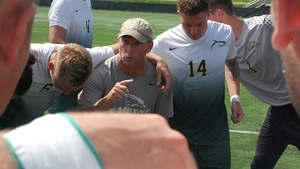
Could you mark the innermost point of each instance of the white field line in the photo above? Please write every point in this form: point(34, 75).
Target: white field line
point(245, 132)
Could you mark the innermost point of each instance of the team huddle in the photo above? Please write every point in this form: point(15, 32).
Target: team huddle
point(178, 75)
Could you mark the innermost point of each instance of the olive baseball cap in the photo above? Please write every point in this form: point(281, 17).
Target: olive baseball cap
point(138, 28)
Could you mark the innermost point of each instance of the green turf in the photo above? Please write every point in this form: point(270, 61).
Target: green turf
point(107, 25)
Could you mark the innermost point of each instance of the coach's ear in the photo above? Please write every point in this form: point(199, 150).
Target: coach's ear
point(14, 23)
point(286, 22)
point(150, 46)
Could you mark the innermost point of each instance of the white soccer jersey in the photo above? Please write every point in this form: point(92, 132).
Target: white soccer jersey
point(42, 92)
point(260, 64)
point(76, 17)
point(197, 68)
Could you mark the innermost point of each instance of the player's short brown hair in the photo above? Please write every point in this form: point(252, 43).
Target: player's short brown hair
point(225, 5)
point(192, 7)
point(74, 64)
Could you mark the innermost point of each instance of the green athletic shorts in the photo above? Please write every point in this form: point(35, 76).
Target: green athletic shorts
point(215, 156)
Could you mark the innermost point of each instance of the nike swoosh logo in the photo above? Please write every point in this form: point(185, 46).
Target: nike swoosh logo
point(170, 48)
point(163, 82)
point(152, 84)
point(76, 10)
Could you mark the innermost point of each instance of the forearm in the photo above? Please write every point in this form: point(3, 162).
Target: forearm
point(102, 104)
point(233, 82)
point(232, 75)
point(120, 138)
point(116, 138)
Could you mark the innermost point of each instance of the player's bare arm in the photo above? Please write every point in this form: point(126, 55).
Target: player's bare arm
point(232, 69)
point(142, 135)
point(57, 35)
point(232, 75)
point(162, 71)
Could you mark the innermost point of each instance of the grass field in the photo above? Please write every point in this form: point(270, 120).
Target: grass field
point(107, 25)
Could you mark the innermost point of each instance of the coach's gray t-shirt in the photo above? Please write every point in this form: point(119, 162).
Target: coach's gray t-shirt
point(143, 96)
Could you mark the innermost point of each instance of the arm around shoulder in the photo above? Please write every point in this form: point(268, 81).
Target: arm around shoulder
point(162, 71)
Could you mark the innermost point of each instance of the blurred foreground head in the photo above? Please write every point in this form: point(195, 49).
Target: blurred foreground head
point(286, 39)
point(16, 20)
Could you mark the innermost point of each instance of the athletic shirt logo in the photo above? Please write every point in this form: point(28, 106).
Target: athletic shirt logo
point(134, 101)
point(133, 104)
point(218, 43)
point(252, 45)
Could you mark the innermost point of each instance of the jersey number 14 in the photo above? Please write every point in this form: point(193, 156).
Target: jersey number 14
point(201, 68)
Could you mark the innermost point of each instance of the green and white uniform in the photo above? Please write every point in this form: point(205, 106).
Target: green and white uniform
point(76, 17)
point(262, 74)
point(42, 92)
point(197, 68)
